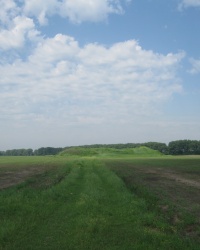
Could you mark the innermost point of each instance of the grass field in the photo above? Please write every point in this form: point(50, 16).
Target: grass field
point(100, 202)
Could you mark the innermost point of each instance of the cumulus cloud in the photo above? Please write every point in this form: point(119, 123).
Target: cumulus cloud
point(62, 81)
point(22, 28)
point(18, 21)
point(40, 9)
point(189, 3)
point(76, 11)
point(8, 10)
point(18, 24)
point(15, 27)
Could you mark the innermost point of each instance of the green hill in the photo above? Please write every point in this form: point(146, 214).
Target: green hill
point(110, 152)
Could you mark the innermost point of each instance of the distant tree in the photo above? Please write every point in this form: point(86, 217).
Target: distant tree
point(29, 151)
point(2, 153)
point(184, 147)
point(19, 152)
point(47, 151)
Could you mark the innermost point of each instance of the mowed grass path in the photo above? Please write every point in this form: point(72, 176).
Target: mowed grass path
point(81, 205)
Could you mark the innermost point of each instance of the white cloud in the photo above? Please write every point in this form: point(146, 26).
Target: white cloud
point(40, 9)
point(55, 84)
point(8, 10)
point(195, 66)
point(97, 10)
point(54, 50)
point(15, 37)
point(17, 21)
point(64, 83)
point(76, 11)
point(189, 3)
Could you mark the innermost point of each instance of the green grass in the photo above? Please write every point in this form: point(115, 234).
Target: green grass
point(110, 152)
point(18, 163)
point(83, 203)
point(170, 184)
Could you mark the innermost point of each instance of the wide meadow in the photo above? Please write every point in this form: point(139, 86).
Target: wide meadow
point(106, 200)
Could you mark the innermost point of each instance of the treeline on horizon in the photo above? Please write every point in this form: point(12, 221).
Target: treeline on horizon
point(179, 147)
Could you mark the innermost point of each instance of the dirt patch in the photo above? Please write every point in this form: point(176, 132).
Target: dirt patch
point(11, 178)
point(192, 231)
point(172, 176)
point(177, 178)
point(176, 189)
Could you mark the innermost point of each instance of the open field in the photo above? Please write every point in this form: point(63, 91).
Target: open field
point(170, 183)
point(99, 202)
point(16, 169)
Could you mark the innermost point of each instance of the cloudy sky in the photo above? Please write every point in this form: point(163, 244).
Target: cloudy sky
point(76, 72)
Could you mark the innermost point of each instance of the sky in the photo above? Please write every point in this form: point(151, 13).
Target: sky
point(79, 72)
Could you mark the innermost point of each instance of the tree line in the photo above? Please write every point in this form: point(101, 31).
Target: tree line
point(184, 147)
point(179, 147)
point(31, 152)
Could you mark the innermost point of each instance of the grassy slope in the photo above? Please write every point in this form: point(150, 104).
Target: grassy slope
point(110, 152)
point(82, 205)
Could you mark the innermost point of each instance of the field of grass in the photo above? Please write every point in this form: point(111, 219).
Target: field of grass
point(104, 201)
point(170, 184)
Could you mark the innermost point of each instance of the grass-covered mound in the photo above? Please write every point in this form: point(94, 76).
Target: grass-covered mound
point(110, 152)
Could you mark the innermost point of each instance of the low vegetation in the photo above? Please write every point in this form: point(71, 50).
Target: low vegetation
point(179, 147)
point(100, 198)
point(111, 152)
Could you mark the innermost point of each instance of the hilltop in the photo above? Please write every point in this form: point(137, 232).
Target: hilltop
point(141, 151)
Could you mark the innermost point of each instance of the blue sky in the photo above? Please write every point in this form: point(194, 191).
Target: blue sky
point(76, 72)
